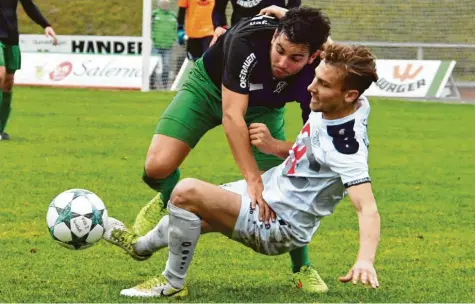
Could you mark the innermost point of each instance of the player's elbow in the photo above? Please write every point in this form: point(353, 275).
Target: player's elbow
point(230, 120)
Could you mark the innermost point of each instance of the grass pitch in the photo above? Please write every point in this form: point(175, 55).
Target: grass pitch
point(421, 162)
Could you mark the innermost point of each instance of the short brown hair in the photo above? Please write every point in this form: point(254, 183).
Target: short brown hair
point(305, 25)
point(358, 63)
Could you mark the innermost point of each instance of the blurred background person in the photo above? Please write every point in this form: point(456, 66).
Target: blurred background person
point(10, 57)
point(197, 17)
point(164, 25)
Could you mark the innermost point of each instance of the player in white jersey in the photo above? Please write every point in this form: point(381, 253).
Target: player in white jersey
point(328, 160)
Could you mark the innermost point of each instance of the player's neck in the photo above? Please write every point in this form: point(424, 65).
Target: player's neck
point(343, 112)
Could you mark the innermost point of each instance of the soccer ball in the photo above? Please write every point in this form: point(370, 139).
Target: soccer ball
point(77, 218)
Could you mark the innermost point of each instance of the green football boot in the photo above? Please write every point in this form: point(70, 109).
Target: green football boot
point(149, 216)
point(309, 280)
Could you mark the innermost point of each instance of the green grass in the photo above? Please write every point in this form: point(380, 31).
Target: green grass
point(444, 21)
point(422, 166)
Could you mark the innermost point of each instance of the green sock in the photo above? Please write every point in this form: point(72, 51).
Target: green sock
point(5, 109)
point(164, 186)
point(299, 258)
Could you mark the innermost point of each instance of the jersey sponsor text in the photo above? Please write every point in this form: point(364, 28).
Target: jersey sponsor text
point(246, 68)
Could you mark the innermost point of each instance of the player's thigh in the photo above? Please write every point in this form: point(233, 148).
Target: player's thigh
point(189, 116)
point(274, 120)
point(12, 59)
point(165, 154)
point(251, 232)
point(214, 205)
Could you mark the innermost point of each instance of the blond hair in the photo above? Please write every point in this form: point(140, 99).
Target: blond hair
point(357, 62)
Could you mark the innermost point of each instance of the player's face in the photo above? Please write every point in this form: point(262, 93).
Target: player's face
point(164, 4)
point(288, 58)
point(326, 91)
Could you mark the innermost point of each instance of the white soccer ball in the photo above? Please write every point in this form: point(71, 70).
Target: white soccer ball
point(77, 218)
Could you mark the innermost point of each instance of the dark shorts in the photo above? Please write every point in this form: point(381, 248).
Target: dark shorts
point(197, 46)
point(10, 57)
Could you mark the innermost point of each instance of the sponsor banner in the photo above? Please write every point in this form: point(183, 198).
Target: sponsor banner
point(82, 44)
point(80, 70)
point(411, 78)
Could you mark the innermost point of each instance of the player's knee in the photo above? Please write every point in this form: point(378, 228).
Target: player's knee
point(3, 73)
point(186, 194)
point(7, 83)
point(158, 168)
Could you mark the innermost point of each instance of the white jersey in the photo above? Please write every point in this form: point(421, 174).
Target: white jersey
point(327, 157)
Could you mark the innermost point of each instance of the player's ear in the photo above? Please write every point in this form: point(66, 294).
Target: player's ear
point(313, 56)
point(351, 96)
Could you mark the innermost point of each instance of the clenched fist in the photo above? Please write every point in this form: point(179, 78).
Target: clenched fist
point(261, 138)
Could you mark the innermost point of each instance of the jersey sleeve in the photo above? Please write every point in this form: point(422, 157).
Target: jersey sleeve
point(34, 13)
point(219, 13)
point(239, 60)
point(183, 3)
point(352, 168)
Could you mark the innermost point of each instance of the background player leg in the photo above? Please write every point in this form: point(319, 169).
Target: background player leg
point(3, 72)
point(304, 276)
point(12, 63)
point(5, 107)
point(2, 77)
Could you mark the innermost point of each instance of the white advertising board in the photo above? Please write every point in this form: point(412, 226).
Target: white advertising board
point(80, 70)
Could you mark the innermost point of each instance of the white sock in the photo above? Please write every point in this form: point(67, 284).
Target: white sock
point(184, 231)
point(155, 239)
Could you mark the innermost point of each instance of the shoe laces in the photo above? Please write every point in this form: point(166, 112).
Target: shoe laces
point(123, 236)
point(160, 280)
point(153, 208)
point(312, 276)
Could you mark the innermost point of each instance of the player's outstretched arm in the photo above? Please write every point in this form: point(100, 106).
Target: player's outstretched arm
point(34, 13)
point(369, 223)
point(234, 110)
point(261, 138)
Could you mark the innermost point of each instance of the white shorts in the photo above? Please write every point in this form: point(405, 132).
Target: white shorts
point(272, 240)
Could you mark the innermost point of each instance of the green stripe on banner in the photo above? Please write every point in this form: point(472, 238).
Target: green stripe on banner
point(440, 74)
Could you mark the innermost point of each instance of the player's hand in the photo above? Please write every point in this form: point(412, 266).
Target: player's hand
point(181, 36)
point(362, 271)
point(261, 138)
point(274, 10)
point(218, 32)
point(255, 191)
point(49, 32)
